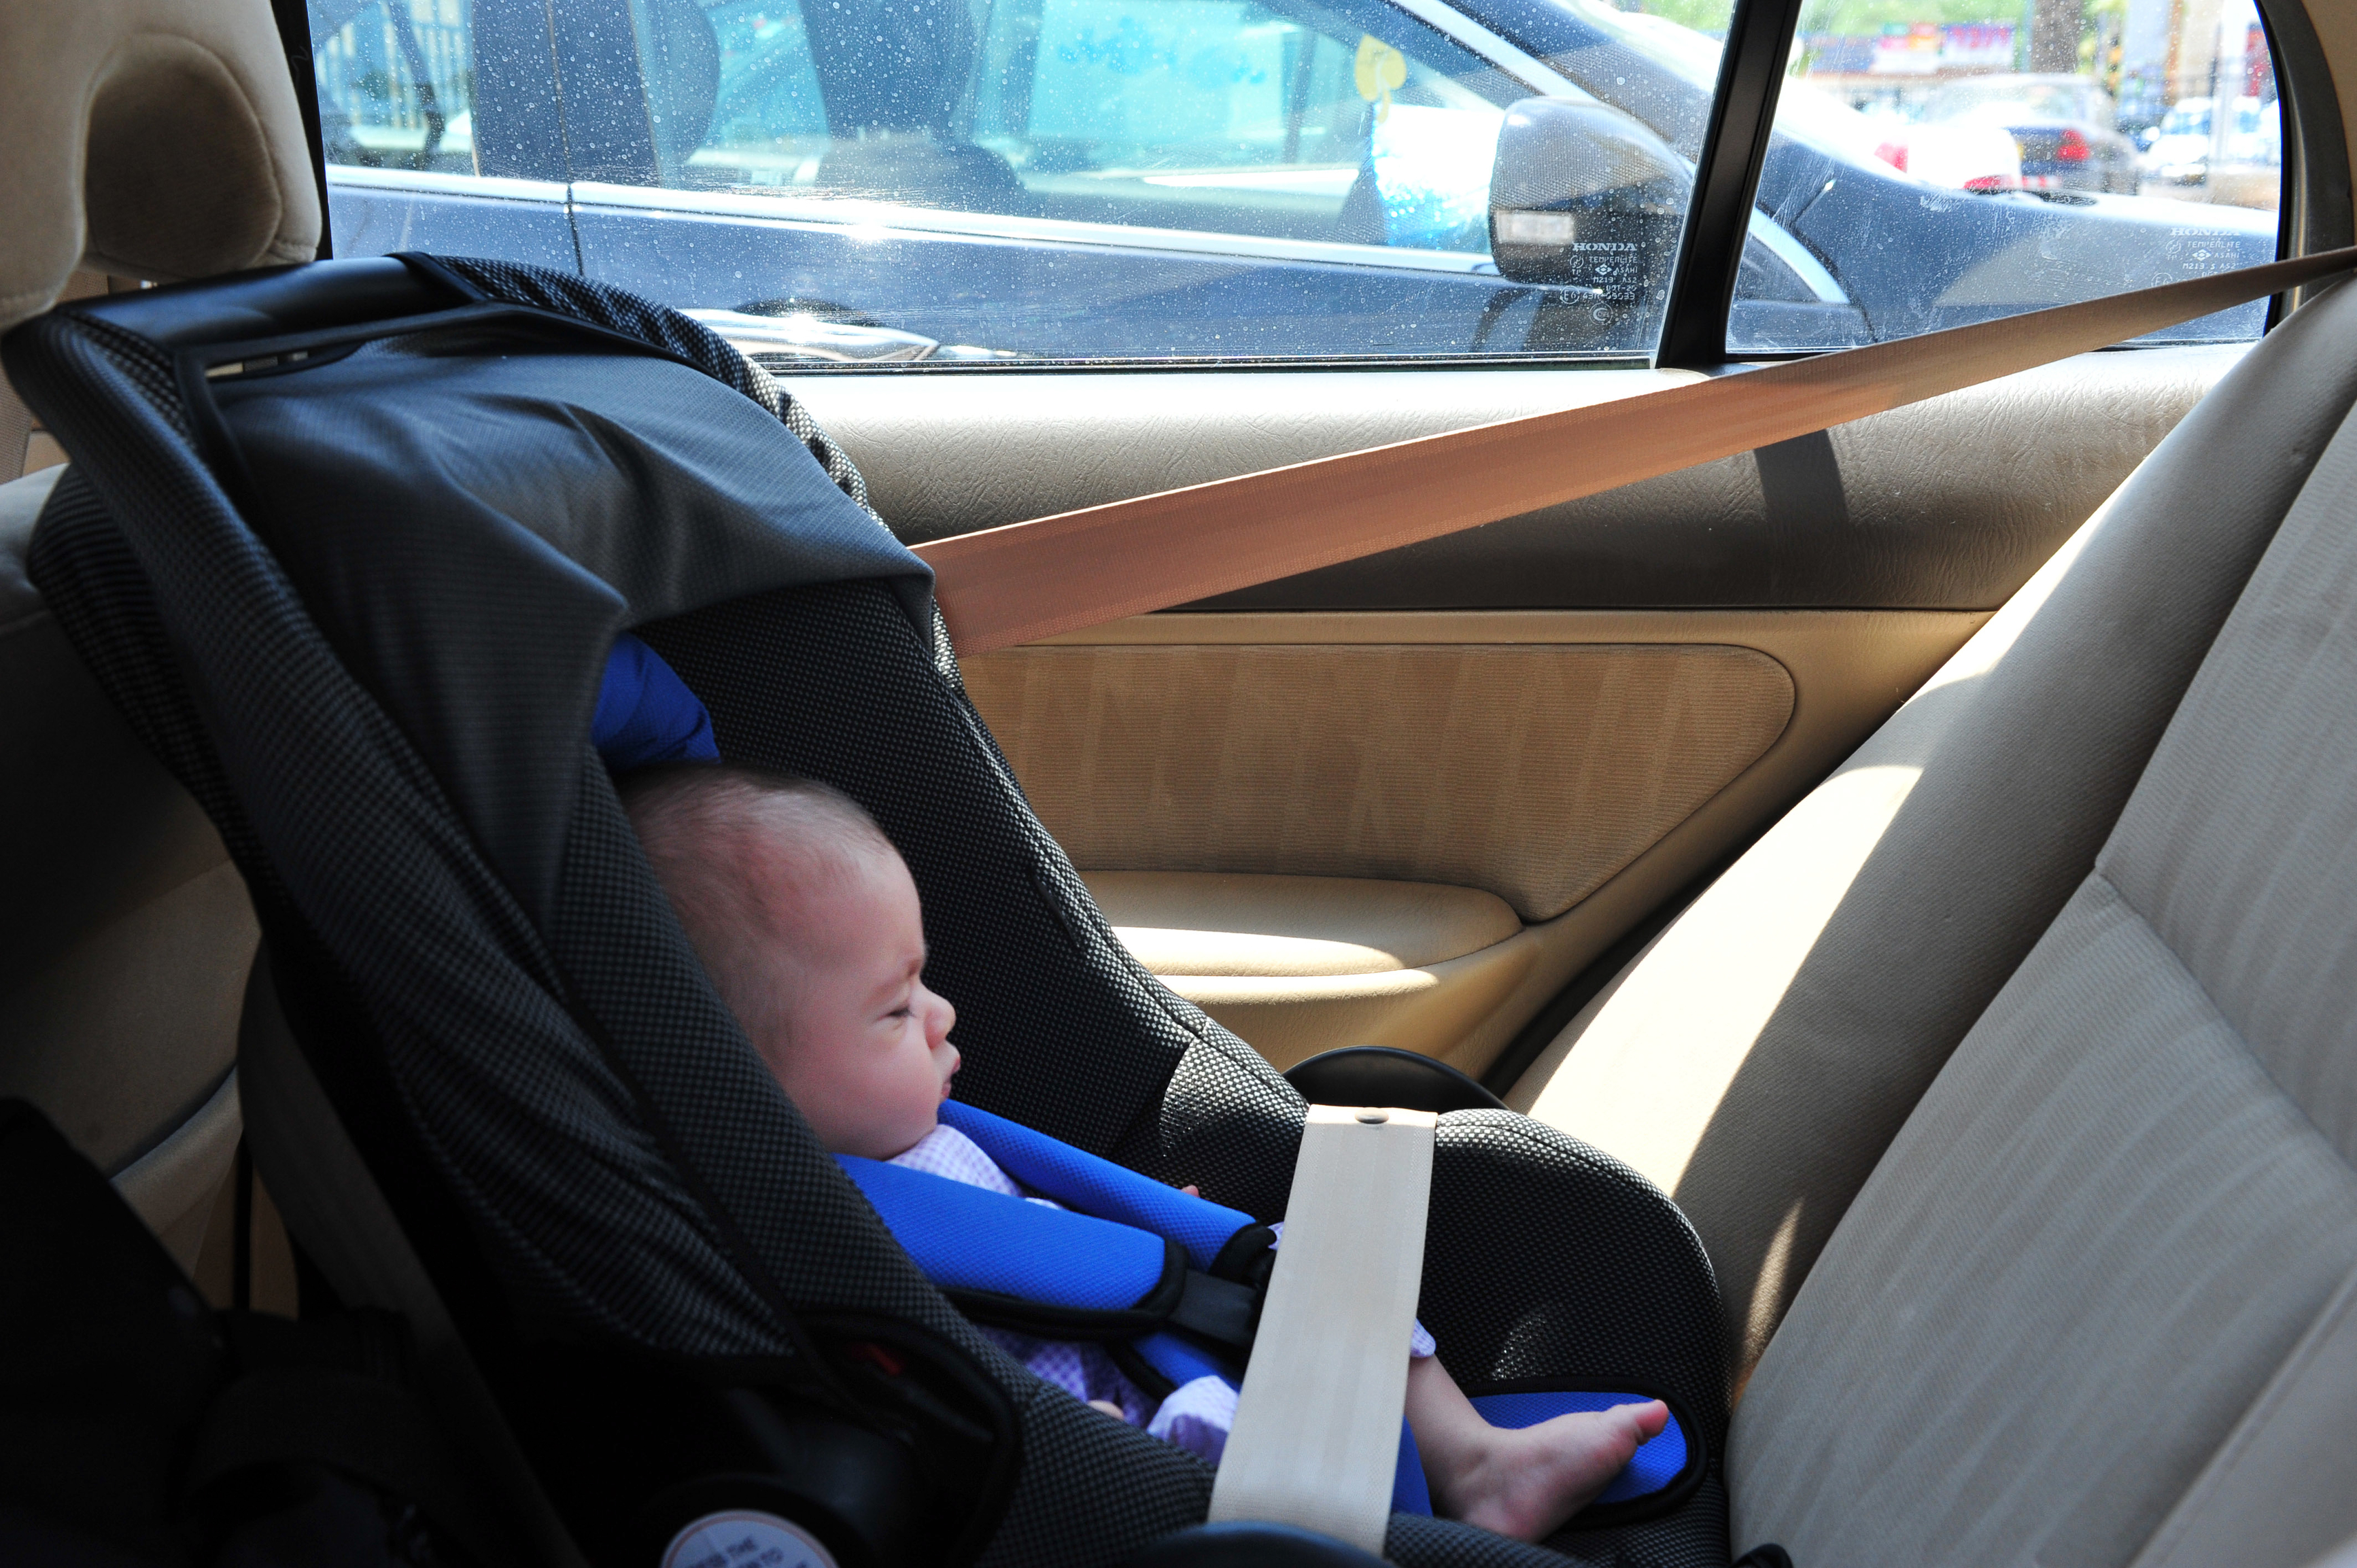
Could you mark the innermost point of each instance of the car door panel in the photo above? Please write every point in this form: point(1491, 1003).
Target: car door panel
point(1580, 765)
point(1947, 504)
point(1394, 720)
point(949, 454)
point(1454, 763)
point(1950, 503)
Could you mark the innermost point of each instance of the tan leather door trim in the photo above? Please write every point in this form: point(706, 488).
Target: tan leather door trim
point(1029, 580)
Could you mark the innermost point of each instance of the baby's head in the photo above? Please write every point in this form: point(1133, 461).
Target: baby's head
point(808, 924)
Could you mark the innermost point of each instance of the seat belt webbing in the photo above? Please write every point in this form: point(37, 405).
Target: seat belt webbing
point(1029, 580)
point(1315, 1439)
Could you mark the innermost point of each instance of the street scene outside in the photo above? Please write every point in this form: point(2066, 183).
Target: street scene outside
point(2156, 97)
point(870, 180)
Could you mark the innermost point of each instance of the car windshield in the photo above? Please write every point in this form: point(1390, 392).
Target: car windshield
point(2008, 100)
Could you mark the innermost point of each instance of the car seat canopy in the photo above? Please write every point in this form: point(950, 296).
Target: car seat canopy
point(396, 672)
point(474, 586)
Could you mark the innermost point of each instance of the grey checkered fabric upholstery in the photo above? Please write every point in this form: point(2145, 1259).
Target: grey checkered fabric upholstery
point(573, 1128)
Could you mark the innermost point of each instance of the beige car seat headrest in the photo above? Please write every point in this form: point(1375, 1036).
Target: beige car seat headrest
point(156, 139)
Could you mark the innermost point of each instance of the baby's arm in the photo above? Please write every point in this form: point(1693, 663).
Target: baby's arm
point(1523, 1482)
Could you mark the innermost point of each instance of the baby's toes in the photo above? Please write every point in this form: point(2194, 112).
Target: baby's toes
point(1643, 1422)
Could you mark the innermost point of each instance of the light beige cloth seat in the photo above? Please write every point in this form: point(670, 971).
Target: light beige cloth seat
point(1758, 1060)
point(151, 140)
point(2098, 1303)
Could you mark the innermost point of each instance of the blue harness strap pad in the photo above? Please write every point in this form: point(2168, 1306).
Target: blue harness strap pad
point(1181, 1359)
point(645, 712)
point(1094, 1186)
point(970, 1238)
point(1658, 1464)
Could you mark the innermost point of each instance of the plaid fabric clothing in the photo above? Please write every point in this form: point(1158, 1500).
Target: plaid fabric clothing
point(1084, 1372)
point(946, 1152)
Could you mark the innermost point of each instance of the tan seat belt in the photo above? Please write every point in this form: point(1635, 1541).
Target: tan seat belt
point(1030, 580)
point(1316, 1438)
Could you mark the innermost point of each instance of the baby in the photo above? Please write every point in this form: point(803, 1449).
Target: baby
point(808, 923)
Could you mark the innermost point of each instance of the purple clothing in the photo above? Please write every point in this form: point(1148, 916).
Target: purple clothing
point(1196, 1416)
point(1083, 1370)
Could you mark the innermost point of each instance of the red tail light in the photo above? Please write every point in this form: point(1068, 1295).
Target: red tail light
point(2072, 148)
point(1895, 155)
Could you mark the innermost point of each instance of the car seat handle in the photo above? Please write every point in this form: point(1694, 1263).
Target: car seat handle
point(1317, 1432)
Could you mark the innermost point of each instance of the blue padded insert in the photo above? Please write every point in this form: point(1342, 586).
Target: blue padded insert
point(646, 713)
point(1656, 1463)
point(1082, 1181)
point(1410, 1493)
point(970, 1238)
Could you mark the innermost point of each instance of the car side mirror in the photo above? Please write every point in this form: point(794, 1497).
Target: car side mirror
point(1582, 194)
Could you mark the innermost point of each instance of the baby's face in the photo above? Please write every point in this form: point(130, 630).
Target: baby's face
point(868, 1057)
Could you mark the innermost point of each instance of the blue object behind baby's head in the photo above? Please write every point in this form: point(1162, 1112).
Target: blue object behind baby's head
point(646, 713)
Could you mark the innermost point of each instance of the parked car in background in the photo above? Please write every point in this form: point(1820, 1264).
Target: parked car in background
point(2180, 154)
point(1958, 154)
point(2187, 149)
point(2065, 127)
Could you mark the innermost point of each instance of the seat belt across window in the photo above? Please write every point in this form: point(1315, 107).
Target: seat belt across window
point(1000, 586)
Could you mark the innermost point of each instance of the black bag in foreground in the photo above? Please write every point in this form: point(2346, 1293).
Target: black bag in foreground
point(139, 1426)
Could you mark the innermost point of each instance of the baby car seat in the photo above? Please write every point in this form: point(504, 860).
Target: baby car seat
point(350, 544)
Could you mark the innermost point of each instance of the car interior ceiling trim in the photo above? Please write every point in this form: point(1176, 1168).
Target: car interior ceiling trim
point(1000, 586)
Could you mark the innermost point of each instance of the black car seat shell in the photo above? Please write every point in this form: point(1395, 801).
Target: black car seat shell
point(387, 713)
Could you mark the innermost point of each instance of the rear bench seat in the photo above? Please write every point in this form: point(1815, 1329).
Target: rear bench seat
point(126, 934)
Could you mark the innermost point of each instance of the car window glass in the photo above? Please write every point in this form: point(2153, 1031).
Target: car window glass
point(439, 123)
point(1949, 172)
point(1140, 179)
point(768, 119)
point(397, 85)
point(1223, 114)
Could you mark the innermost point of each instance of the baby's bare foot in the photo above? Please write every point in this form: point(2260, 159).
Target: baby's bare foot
point(1528, 1481)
